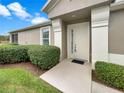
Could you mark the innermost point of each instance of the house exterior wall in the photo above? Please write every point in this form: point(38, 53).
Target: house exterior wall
point(33, 36)
point(29, 37)
point(116, 37)
point(67, 6)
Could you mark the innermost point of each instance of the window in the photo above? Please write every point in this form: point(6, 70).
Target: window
point(72, 40)
point(45, 35)
point(15, 38)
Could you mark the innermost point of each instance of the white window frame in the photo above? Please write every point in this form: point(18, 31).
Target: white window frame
point(41, 34)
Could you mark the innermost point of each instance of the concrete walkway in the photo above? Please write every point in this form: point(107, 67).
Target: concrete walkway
point(70, 77)
point(99, 88)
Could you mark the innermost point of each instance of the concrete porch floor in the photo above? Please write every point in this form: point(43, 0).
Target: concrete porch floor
point(70, 77)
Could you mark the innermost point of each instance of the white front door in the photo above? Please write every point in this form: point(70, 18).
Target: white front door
point(78, 40)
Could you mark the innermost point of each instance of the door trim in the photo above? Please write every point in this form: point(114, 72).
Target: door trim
point(68, 39)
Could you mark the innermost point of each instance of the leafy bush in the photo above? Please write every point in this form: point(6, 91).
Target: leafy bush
point(13, 44)
point(110, 74)
point(44, 57)
point(13, 54)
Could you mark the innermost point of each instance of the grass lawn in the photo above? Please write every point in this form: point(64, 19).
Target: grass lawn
point(21, 81)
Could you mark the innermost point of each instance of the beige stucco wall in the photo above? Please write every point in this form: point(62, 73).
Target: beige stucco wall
point(66, 6)
point(29, 37)
point(116, 32)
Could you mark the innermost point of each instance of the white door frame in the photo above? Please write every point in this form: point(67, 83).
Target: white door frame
point(85, 54)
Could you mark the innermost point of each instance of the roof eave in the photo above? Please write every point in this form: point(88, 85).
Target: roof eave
point(45, 6)
point(117, 6)
point(48, 23)
point(49, 5)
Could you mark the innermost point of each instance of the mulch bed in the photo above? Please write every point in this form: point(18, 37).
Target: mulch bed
point(25, 65)
point(94, 78)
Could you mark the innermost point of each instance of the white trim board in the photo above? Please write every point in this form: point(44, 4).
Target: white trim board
point(99, 30)
point(116, 59)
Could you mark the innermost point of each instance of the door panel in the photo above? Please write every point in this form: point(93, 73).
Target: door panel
point(78, 41)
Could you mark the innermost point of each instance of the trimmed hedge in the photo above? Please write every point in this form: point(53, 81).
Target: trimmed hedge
point(44, 57)
point(13, 54)
point(110, 74)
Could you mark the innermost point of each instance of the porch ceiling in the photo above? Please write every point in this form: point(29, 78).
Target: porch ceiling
point(77, 16)
point(80, 15)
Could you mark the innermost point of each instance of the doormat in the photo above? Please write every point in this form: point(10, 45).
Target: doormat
point(78, 61)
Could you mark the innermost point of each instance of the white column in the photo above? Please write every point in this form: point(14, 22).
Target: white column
point(100, 21)
point(57, 31)
point(10, 38)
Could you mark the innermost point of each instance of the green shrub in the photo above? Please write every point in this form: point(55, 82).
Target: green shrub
point(13, 54)
point(110, 74)
point(13, 44)
point(44, 57)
